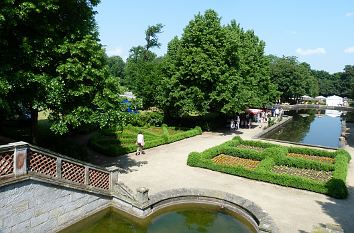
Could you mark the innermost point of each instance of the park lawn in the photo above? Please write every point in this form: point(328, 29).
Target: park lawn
point(115, 143)
point(298, 167)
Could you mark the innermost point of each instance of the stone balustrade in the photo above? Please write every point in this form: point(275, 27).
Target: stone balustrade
point(20, 159)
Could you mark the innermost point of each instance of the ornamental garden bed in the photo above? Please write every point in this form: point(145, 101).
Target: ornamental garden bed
point(115, 143)
point(307, 173)
point(298, 167)
point(235, 161)
point(312, 157)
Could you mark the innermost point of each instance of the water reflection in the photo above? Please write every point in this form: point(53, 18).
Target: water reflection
point(198, 219)
point(310, 127)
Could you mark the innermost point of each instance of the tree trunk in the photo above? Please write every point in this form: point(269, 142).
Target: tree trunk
point(34, 126)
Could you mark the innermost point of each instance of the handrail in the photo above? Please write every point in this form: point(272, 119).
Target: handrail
point(20, 158)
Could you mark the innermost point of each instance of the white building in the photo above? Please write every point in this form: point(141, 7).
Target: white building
point(334, 100)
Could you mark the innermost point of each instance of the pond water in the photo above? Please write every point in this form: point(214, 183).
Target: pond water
point(310, 127)
point(179, 219)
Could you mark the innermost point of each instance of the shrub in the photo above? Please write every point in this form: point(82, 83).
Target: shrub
point(119, 143)
point(277, 155)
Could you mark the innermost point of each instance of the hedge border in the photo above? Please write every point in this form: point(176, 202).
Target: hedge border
point(108, 147)
point(276, 155)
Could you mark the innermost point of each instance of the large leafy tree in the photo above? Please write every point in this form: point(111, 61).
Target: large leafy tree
point(51, 59)
point(293, 79)
point(214, 68)
point(142, 70)
point(328, 83)
point(116, 66)
point(346, 81)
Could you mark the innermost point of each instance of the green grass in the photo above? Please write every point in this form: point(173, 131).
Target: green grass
point(115, 143)
point(276, 155)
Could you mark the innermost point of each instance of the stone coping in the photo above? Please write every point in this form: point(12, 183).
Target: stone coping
point(282, 122)
point(255, 215)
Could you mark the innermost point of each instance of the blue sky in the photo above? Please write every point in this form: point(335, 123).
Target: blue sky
point(319, 32)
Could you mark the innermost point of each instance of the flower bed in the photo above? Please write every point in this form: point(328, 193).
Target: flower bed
point(235, 161)
point(312, 157)
point(306, 173)
point(114, 143)
point(305, 168)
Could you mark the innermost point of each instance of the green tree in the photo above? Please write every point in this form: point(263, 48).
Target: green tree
point(51, 59)
point(326, 81)
point(142, 70)
point(292, 78)
point(214, 68)
point(116, 66)
point(346, 80)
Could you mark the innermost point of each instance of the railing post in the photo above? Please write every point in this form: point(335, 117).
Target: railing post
point(87, 175)
point(113, 178)
point(20, 159)
point(58, 168)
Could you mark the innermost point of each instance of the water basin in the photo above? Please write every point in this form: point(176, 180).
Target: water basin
point(186, 218)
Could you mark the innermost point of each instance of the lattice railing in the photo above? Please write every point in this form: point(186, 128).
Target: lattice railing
point(42, 164)
point(6, 163)
point(99, 179)
point(19, 159)
point(73, 172)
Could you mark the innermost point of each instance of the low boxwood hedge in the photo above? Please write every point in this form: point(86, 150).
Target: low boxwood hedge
point(277, 155)
point(113, 143)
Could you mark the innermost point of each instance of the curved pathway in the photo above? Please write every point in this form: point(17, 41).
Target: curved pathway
point(293, 210)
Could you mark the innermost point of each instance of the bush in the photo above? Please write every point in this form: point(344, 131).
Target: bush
point(119, 143)
point(146, 119)
point(277, 155)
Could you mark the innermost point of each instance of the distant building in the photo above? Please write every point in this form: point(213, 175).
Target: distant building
point(334, 101)
point(128, 95)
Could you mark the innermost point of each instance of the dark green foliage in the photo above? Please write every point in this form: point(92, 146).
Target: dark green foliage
point(116, 66)
point(118, 143)
point(147, 119)
point(277, 155)
point(214, 68)
point(294, 79)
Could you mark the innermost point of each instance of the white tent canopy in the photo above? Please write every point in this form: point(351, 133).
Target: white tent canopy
point(306, 97)
point(320, 97)
point(334, 100)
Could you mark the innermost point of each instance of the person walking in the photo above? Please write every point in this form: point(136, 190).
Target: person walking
point(238, 120)
point(140, 143)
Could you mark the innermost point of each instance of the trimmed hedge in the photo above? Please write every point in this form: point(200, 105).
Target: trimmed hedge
point(113, 143)
point(277, 155)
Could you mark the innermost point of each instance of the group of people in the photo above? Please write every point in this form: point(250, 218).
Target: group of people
point(245, 120)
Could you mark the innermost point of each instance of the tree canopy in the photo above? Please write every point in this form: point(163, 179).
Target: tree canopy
point(142, 70)
point(215, 68)
point(293, 79)
point(51, 59)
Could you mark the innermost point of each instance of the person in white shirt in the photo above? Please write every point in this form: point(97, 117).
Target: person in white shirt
point(140, 143)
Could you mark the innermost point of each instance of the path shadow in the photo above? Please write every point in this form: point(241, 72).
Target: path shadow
point(341, 210)
point(122, 163)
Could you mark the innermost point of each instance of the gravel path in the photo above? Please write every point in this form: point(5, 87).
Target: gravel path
point(293, 210)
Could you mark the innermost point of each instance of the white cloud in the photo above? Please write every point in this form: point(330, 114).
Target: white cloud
point(349, 14)
point(114, 52)
point(349, 50)
point(309, 52)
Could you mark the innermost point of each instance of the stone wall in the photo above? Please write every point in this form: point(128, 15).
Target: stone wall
point(35, 206)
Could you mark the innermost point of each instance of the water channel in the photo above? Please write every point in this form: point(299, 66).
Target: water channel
point(182, 218)
point(312, 127)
